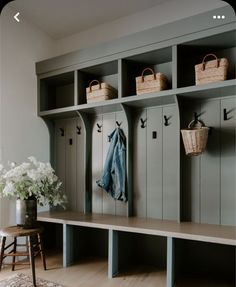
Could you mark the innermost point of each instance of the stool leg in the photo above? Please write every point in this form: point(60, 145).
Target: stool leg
point(32, 263)
point(3, 241)
point(14, 252)
point(41, 248)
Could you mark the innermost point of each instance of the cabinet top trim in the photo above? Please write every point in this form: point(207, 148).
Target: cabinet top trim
point(162, 36)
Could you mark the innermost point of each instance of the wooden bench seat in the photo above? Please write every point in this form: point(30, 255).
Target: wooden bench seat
point(184, 230)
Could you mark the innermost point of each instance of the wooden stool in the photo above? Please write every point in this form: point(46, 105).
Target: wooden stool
point(34, 246)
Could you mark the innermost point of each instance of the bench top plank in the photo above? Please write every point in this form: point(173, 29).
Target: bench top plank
point(184, 230)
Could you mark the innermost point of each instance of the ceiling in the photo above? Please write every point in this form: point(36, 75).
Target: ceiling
point(61, 18)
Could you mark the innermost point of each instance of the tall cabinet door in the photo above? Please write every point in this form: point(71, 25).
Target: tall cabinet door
point(228, 162)
point(210, 165)
point(97, 160)
point(71, 163)
point(80, 165)
point(170, 164)
point(60, 152)
point(154, 163)
point(140, 166)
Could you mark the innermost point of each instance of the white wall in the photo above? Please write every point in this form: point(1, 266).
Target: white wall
point(22, 133)
point(163, 13)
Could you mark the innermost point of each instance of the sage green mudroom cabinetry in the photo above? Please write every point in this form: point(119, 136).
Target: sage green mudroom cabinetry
point(162, 182)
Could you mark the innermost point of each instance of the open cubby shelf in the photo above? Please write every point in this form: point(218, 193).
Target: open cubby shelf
point(57, 91)
point(163, 183)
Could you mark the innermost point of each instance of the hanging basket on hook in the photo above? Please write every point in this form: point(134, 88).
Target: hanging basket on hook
point(195, 138)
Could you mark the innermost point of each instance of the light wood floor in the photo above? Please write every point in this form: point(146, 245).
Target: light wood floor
point(93, 272)
point(90, 273)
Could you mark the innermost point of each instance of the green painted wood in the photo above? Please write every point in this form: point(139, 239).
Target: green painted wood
point(51, 128)
point(170, 262)
point(97, 160)
point(228, 162)
point(80, 167)
point(68, 245)
point(190, 169)
point(140, 165)
point(76, 85)
point(113, 253)
point(154, 163)
point(60, 151)
point(170, 164)
point(122, 207)
point(210, 165)
point(120, 76)
point(108, 127)
point(179, 164)
point(174, 66)
point(129, 156)
point(201, 92)
point(86, 131)
point(70, 163)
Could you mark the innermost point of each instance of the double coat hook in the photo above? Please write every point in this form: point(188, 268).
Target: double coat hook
point(99, 130)
point(78, 130)
point(143, 123)
point(166, 120)
point(118, 124)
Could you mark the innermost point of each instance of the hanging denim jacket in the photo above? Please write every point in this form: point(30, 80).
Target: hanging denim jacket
point(114, 173)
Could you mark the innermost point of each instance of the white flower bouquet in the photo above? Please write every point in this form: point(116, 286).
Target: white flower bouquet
point(32, 180)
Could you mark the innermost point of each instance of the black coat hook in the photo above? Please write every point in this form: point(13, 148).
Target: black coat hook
point(225, 114)
point(78, 130)
point(166, 120)
point(118, 124)
point(99, 130)
point(143, 123)
point(62, 132)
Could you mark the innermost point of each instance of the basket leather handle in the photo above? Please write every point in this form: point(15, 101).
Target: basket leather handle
point(190, 125)
point(92, 82)
point(148, 69)
point(204, 61)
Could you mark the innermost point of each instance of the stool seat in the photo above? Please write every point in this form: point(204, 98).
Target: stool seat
point(18, 231)
point(34, 246)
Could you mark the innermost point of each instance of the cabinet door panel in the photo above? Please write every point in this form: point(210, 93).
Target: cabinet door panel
point(170, 164)
point(121, 207)
point(60, 152)
point(140, 166)
point(154, 163)
point(228, 162)
point(97, 192)
point(71, 163)
point(108, 127)
point(80, 166)
point(210, 165)
point(190, 172)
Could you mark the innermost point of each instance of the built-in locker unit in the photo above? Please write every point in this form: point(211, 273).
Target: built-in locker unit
point(162, 183)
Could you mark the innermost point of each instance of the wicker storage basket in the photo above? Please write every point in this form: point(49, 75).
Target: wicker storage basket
point(150, 83)
point(211, 71)
point(100, 92)
point(195, 138)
